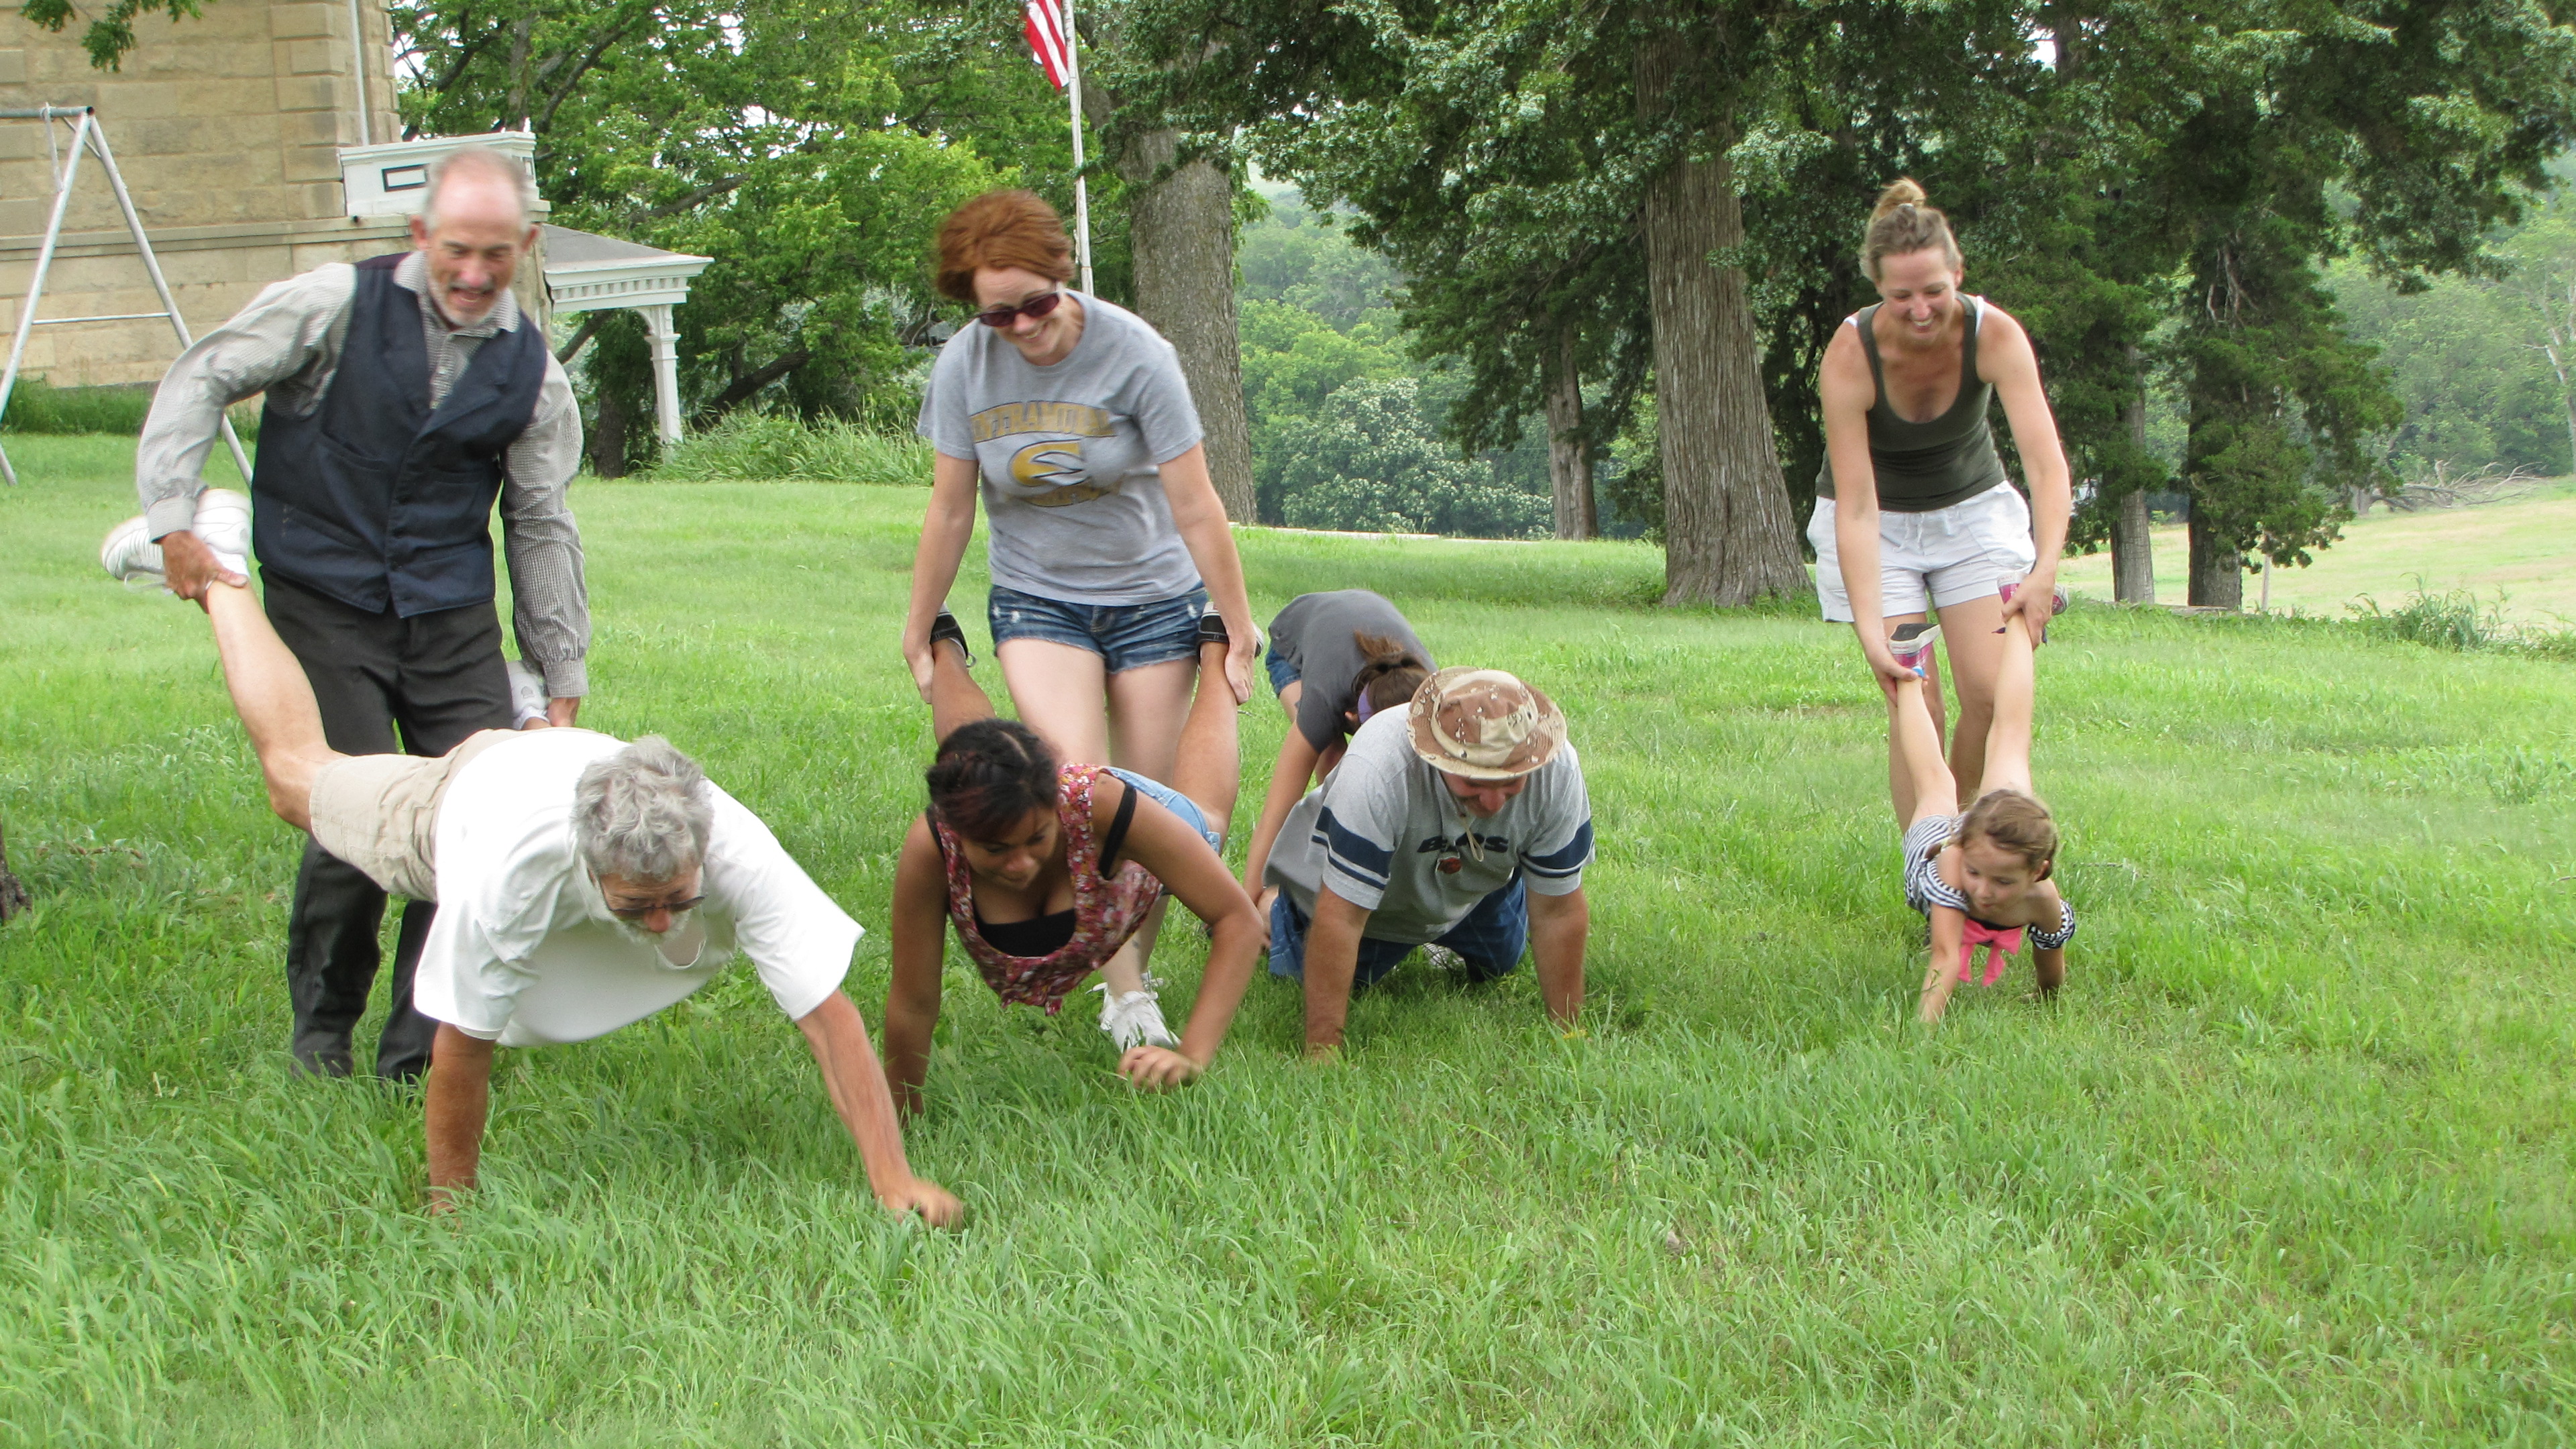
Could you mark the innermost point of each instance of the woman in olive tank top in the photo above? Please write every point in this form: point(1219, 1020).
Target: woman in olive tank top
point(1913, 511)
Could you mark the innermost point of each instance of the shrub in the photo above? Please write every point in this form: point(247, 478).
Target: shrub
point(2457, 621)
point(753, 447)
point(37, 406)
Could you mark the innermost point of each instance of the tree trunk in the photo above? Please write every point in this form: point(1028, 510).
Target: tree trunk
point(2217, 569)
point(1728, 535)
point(1569, 462)
point(608, 436)
point(1180, 228)
point(2133, 562)
point(13, 896)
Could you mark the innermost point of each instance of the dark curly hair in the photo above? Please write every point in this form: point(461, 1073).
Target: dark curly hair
point(989, 775)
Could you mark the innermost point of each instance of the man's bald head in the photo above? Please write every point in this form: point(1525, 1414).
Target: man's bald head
point(476, 224)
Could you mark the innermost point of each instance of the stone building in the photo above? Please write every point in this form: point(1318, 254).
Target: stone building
point(228, 130)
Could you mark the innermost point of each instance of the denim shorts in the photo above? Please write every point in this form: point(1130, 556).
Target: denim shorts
point(1283, 670)
point(1125, 636)
point(1490, 939)
point(1176, 802)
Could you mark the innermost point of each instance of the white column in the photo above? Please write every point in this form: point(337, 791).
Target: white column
point(666, 370)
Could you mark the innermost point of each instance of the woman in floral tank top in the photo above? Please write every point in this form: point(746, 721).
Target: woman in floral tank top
point(1046, 869)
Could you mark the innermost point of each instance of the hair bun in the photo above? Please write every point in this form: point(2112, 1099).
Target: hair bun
point(1903, 191)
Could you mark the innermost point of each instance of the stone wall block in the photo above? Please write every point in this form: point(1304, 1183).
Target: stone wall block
point(312, 93)
point(13, 67)
point(313, 163)
point(304, 22)
point(314, 57)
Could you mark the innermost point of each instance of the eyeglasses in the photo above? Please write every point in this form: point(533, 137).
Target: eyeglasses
point(636, 914)
point(1033, 309)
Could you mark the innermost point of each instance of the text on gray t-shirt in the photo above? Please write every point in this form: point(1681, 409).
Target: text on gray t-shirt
point(1070, 456)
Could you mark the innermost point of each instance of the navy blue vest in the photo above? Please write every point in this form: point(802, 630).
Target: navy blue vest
point(374, 499)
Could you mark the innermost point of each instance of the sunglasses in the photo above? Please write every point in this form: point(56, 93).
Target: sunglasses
point(1033, 309)
point(634, 915)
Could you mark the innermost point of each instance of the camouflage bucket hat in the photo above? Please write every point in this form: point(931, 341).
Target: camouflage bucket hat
point(1483, 724)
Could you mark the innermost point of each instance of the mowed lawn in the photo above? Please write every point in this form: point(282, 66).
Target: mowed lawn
point(2520, 556)
point(2289, 1164)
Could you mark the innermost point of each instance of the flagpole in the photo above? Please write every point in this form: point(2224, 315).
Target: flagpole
point(1081, 191)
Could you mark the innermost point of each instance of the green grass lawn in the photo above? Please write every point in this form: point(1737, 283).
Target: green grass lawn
point(2519, 555)
point(2290, 1163)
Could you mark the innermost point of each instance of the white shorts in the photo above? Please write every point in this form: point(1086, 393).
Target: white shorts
point(1929, 561)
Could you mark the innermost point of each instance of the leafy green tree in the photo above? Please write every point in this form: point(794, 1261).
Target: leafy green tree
point(110, 32)
point(810, 149)
point(1369, 458)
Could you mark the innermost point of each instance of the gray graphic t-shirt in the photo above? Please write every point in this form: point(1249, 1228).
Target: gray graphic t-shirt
point(1383, 833)
point(1071, 456)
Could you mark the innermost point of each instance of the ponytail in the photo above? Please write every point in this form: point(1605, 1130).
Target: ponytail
point(1390, 675)
point(989, 776)
point(1903, 222)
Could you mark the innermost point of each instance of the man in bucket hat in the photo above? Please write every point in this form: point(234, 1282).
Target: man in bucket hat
point(1459, 822)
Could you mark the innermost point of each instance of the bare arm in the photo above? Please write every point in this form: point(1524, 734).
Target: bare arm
point(459, 1099)
point(1177, 856)
point(1288, 777)
point(919, 930)
point(840, 1043)
point(1943, 972)
point(944, 536)
point(1559, 926)
point(1332, 962)
point(2004, 358)
point(1201, 519)
point(1846, 392)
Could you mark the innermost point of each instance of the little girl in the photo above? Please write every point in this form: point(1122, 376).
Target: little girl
point(1984, 877)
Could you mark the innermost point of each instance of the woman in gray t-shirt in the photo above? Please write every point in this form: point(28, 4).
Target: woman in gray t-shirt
point(1070, 416)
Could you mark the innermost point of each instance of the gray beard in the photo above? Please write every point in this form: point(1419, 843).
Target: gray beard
point(641, 937)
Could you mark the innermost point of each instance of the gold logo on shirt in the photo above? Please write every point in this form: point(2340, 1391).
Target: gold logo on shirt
point(1080, 419)
point(1056, 467)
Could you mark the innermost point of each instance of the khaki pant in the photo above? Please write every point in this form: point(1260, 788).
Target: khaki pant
point(380, 812)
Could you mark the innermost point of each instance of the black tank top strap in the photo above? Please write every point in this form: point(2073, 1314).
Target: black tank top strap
point(1968, 355)
point(1115, 838)
point(1866, 319)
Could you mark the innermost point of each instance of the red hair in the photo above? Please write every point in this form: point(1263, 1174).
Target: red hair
point(1001, 229)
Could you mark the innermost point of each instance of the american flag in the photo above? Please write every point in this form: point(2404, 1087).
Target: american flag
point(1051, 39)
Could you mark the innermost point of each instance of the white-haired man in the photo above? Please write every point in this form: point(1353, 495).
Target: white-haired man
point(405, 394)
point(587, 883)
point(1459, 822)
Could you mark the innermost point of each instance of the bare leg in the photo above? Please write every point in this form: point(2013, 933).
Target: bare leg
point(273, 698)
point(2008, 743)
point(1968, 637)
point(956, 700)
point(1288, 697)
point(1917, 746)
point(1210, 765)
point(1900, 775)
point(1062, 693)
point(1147, 708)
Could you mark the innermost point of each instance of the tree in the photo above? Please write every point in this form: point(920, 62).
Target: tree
point(1368, 459)
point(110, 34)
point(810, 149)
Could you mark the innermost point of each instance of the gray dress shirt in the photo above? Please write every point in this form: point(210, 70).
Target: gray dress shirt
point(287, 344)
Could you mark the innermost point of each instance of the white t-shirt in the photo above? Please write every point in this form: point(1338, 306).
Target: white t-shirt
point(524, 951)
point(1381, 827)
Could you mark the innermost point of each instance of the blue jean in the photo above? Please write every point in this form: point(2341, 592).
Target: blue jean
point(1283, 670)
point(1176, 802)
point(1125, 636)
point(1491, 938)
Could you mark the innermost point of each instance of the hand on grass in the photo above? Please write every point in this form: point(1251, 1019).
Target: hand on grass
point(937, 1206)
point(188, 567)
point(1157, 1069)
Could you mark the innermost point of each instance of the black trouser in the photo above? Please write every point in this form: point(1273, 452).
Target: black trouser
point(437, 678)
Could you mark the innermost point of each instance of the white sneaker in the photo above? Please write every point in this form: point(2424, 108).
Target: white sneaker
point(223, 524)
point(1441, 958)
point(1135, 1018)
point(527, 694)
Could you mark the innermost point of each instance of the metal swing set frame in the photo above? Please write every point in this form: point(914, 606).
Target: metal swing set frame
point(87, 135)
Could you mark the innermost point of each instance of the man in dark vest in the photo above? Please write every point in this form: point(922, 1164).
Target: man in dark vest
point(405, 395)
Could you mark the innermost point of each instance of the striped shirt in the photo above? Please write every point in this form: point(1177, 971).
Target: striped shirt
point(1925, 839)
point(287, 343)
point(1384, 833)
